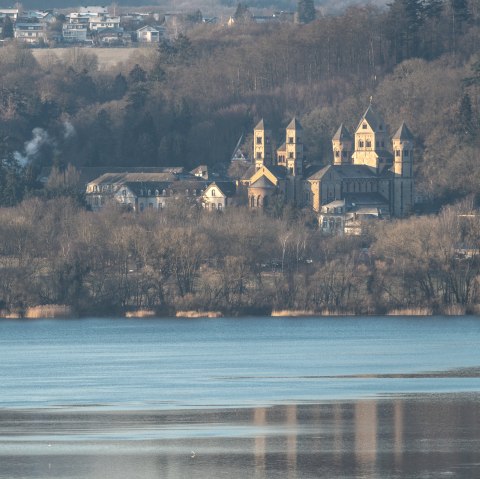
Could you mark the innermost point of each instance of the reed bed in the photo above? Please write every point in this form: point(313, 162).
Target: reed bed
point(411, 312)
point(199, 314)
point(49, 311)
point(141, 313)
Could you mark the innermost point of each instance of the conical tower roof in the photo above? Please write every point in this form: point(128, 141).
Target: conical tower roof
point(260, 125)
point(342, 134)
point(294, 125)
point(403, 133)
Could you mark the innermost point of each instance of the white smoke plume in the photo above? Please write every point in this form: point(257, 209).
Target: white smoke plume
point(31, 148)
point(68, 130)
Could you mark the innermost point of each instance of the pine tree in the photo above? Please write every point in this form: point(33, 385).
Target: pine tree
point(7, 31)
point(305, 11)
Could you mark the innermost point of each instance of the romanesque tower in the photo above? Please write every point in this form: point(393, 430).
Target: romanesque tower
point(294, 148)
point(370, 142)
point(342, 143)
point(403, 144)
point(262, 145)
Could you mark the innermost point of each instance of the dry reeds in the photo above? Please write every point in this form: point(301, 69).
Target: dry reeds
point(411, 312)
point(49, 311)
point(454, 310)
point(293, 313)
point(199, 314)
point(141, 313)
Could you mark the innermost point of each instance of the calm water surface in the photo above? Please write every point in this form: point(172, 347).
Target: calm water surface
point(240, 398)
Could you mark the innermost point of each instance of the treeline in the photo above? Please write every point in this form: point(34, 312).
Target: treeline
point(236, 262)
point(188, 101)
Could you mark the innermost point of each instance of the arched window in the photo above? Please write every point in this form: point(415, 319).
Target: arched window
point(259, 201)
point(360, 143)
point(368, 143)
point(214, 193)
point(157, 193)
point(164, 192)
point(149, 193)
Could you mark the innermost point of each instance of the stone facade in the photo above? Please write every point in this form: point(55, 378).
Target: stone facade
point(364, 174)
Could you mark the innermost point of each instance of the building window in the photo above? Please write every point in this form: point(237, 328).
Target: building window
point(337, 154)
point(360, 143)
point(214, 193)
point(164, 192)
point(397, 152)
point(259, 155)
point(219, 206)
point(368, 143)
point(157, 193)
point(290, 139)
point(124, 192)
point(259, 140)
point(290, 155)
point(364, 126)
point(405, 153)
point(149, 192)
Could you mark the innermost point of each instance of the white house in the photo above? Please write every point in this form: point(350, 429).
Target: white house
point(148, 34)
point(218, 195)
point(30, 32)
point(74, 32)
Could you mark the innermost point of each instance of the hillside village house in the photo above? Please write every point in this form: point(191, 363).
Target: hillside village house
point(30, 32)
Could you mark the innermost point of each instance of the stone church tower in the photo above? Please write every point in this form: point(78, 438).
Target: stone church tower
point(403, 144)
point(342, 143)
point(294, 148)
point(262, 146)
point(370, 142)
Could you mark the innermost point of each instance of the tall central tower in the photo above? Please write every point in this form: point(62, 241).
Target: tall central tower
point(370, 141)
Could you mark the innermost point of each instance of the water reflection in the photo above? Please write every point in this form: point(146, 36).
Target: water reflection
point(411, 437)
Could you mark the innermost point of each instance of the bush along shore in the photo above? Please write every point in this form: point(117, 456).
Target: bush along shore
point(58, 260)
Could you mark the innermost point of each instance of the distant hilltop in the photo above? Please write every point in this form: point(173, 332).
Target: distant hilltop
point(325, 6)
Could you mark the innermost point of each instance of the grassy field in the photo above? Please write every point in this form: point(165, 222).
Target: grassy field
point(107, 57)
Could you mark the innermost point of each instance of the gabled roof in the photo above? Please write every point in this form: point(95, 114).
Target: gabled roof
point(342, 134)
point(294, 125)
point(403, 133)
point(228, 188)
point(148, 28)
point(263, 182)
point(372, 118)
point(345, 171)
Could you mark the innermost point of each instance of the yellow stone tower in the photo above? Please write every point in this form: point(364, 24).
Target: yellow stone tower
point(262, 146)
point(403, 144)
point(342, 144)
point(370, 142)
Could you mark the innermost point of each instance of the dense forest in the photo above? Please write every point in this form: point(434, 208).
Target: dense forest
point(186, 103)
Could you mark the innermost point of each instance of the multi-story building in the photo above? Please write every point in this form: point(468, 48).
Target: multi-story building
point(364, 175)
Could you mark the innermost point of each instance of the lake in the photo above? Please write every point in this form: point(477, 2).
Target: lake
point(239, 398)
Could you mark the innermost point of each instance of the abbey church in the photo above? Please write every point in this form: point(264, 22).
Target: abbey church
point(363, 178)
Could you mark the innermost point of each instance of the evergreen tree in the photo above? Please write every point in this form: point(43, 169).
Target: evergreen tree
point(7, 31)
point(242, 14)
point(305, 11)
point(433, 8)
point(466, 122)
point(460, 10)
